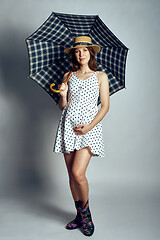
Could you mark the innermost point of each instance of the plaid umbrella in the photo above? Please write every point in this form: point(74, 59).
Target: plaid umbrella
point(48, 62)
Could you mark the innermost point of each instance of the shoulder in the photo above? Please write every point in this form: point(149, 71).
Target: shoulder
point(65, 76)
point(102, 76)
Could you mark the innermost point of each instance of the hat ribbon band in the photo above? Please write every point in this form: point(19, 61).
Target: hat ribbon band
point(81, 43)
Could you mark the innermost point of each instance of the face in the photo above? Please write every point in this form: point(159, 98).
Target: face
point(82, 55)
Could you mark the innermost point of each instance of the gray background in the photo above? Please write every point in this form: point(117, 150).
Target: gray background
point(35, 199)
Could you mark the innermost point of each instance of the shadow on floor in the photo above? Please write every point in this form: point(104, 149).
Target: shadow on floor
point(40, 205)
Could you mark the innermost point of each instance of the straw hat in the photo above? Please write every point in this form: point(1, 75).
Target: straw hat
point(83, 41)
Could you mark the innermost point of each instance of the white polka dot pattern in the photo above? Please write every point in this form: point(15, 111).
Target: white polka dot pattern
point(80, 109)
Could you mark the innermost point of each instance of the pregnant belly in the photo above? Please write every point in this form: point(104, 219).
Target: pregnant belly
point(81, 114)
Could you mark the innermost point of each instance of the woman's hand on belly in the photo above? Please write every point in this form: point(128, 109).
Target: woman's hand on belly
point(82, 129)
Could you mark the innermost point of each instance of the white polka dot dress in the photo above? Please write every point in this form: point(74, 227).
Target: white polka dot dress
point(80, 109)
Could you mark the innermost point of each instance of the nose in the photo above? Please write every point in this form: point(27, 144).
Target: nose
point(80, 53)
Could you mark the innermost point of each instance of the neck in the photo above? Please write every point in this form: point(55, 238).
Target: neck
point(84, 68)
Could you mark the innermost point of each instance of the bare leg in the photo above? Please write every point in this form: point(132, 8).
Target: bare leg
point(79, 166)
point(77, 163)
point(69, 157)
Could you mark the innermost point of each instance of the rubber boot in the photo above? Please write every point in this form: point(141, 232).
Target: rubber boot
point(77, 222)
point(87, 223)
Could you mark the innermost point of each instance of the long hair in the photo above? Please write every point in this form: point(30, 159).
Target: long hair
point(92, 62)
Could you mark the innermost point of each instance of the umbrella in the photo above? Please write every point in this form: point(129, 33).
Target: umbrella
point(48, 62)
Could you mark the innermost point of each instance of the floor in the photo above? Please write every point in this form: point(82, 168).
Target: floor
point(119, 213)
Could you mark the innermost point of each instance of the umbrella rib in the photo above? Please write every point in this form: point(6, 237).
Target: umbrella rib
point(111, 72)
point(63, 23)
point(114, 38)
point(48, 65)
point(100, 30)
point(93, 24)
point(43, 41)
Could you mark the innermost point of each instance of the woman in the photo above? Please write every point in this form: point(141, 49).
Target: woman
point(79, 133)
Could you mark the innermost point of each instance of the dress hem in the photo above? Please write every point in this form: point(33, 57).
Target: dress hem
point(93, 154)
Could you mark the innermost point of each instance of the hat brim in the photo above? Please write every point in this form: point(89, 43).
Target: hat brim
point(96, 48)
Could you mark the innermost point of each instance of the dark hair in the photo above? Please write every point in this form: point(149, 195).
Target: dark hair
point(92, 63)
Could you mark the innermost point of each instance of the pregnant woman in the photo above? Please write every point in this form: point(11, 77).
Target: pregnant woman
point(79, 134)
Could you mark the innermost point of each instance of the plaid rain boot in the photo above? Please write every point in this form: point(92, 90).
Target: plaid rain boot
point(87, 223)
point(77, 222)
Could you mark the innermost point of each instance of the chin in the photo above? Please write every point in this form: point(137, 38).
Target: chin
point(83, 62)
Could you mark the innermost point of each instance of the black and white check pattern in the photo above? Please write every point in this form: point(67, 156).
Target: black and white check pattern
point(48, 62)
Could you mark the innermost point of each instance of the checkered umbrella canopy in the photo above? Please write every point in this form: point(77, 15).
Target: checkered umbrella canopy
point(48, 62)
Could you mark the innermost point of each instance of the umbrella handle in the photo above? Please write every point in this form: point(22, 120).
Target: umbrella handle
point(60, 90)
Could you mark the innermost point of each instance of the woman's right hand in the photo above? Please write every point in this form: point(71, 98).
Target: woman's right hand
point(64, 87)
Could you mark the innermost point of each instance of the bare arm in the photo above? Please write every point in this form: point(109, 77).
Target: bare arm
point(63, 98)
point(104, 97)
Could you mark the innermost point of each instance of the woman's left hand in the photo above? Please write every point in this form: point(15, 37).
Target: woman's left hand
point(81, 129)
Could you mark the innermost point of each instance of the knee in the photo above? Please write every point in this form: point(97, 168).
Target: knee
point(77, 176)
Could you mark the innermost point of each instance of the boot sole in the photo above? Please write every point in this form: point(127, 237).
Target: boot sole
point(74, 227)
